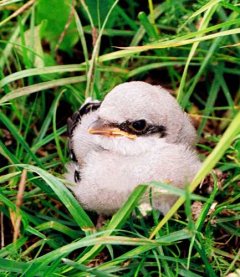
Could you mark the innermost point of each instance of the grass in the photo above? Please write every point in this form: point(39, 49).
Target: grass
point(48, 65)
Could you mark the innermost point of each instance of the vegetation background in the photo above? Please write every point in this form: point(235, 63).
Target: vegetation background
point(55, 53)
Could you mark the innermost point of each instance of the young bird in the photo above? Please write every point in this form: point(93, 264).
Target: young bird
point(136, 135)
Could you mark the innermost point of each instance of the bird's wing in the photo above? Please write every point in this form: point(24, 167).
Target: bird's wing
point(88, 106)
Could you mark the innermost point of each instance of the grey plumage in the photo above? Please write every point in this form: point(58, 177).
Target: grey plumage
point(138, 134)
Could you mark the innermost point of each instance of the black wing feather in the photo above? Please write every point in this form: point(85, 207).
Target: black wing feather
point(73, 121)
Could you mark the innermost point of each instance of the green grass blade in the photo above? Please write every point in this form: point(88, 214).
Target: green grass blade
point(41, 71)
point(41, 86)
point(59, 227)
point(166, 239)
point(12, 266)
point(82, 38)
point(204, 22)
point(92, 63)
point(79, 215)
point(109, 240)
point(9, 176)
point(213, 93)
point(181, 41)
point(86, 269)
point(214, 46)
point(12, 248)
point(9, 47)
point(56, 137)
point(11, 127)
point(118, 219)
point(170, 189)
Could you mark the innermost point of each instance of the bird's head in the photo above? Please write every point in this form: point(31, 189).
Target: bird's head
point(135, 116)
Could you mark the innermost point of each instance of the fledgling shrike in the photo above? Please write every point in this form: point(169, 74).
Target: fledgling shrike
point(136, 135)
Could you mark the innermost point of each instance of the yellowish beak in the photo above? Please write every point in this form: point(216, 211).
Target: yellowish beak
point(111, 132)
point(98, 128)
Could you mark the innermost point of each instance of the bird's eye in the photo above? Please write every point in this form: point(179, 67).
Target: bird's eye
point(139, 125)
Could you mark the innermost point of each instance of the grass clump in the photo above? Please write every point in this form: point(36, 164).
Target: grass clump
point(49, 63)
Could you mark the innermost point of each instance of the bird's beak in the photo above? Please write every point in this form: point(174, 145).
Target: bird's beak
point(99, 127)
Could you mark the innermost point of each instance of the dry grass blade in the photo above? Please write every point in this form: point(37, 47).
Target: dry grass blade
point(18, 12)
point(127, 51)
point(41, 86)
point(70, 18)
point(15, 216)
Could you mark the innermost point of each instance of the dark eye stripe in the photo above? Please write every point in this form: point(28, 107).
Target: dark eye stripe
point(150, 129)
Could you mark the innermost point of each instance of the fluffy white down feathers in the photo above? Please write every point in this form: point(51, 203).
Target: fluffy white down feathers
point(111, 166)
